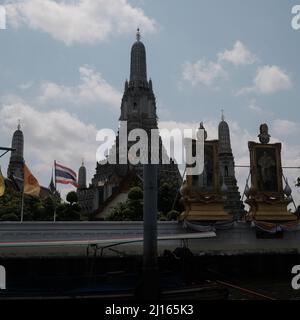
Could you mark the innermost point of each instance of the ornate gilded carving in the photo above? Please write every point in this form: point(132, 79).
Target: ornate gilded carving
point(202, 195)
point(266, 196)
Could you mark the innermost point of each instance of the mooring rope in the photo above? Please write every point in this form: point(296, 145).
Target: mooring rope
point(245, 290)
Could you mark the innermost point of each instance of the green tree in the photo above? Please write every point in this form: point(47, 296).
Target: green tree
point(168, 197)
point(165, 198)
point(72, 197)
point(69, 211)
point(35, 209)
point(9, 217)
point(131, 210)
point(135, 204)
point(135, 193)
point(10, 204)
point(118, 213)
point(173, 215)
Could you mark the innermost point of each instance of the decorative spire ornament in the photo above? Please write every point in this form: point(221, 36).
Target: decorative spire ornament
point(138, 35)
point(264, 136)
point(202, 128)
point(287, 190)
point(138, 68)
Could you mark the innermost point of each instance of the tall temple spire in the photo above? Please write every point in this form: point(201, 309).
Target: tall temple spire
point(224, 136)
point(138, 68)
point(52, 184)
point(227, 171)
point(138, 106)
point(82, 176)
point(16, 161)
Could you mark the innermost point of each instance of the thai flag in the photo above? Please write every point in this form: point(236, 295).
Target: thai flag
point(65, 175)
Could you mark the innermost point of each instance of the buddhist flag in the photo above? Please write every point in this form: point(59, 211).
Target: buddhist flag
point(2, 184)
point(31, 185)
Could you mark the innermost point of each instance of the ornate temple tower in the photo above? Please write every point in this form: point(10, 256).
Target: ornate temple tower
point(16, 162)
point(138, 110)
point(234, 204)
point(138, 106)
point(86, 195)
point(225, 151)
point(82, 177)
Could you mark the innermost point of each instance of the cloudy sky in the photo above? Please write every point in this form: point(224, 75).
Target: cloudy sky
point(63, 66)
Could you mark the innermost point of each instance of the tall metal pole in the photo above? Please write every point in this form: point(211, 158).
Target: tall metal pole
point(55, 186)
point(54, 215)
point(150, 268)
point(22, 207)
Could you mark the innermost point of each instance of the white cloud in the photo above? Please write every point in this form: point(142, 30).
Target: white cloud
point(206, 73)
point(202, 72)
point(268, 80)
point(26, 85)
point(238, 56)
point(79, 21)
point(93, 89)
point(285, 127)
point(245, 91)
point(253, 106)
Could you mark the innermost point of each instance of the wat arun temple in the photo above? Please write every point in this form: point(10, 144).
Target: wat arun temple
point(111, 182)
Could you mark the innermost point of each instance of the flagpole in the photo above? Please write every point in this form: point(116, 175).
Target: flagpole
point(54, 218)
point(22, 204)
point(55, 173)
point(22, 207)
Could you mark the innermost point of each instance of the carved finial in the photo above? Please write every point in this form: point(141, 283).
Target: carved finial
point(264, 136)
point(223, 117)
point(202, 128)
point(287, 190)
point(19, 124)
point(138, 34)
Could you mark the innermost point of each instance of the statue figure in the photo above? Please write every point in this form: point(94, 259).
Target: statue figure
point(266, 163)
point(202, 128)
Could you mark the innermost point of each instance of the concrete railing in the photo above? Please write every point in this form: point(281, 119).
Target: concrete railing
point(26, 231)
